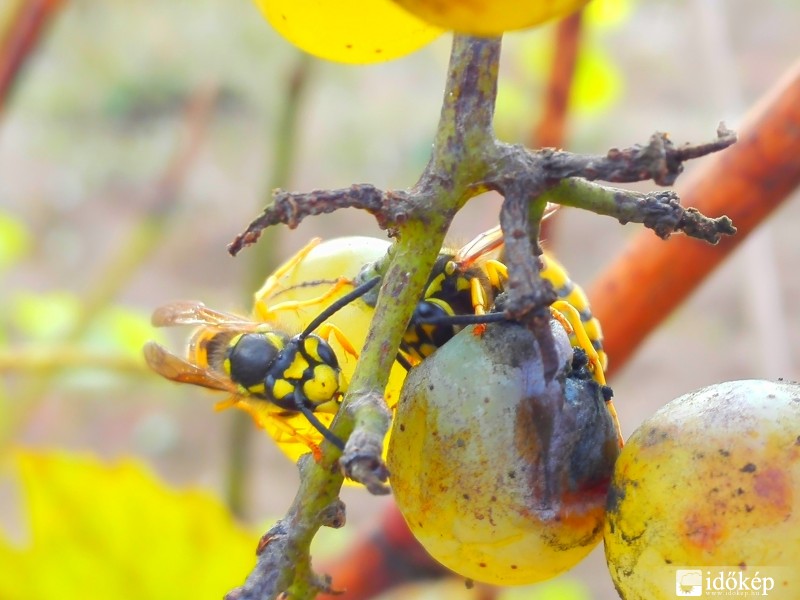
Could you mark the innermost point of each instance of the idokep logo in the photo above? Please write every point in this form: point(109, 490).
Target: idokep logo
point(722, 581)
point(689, 582)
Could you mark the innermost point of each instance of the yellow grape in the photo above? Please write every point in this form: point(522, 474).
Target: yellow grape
point(501, 476)
point(489, 17)
point(348, 31)
point(710, 480)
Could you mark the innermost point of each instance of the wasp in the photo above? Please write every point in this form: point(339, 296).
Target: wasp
point(462, 288)
point(278, 377)
point(466, 281)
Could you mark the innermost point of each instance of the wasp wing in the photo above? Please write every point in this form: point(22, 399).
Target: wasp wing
point(197, 313)
point(489, 241)
point(174, 368)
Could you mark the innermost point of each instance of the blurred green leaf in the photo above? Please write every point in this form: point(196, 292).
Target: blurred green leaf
point(122, 330)
point(513, 107)
point(115, 531)
point(44, 317)
point(49, 317)
point(598, 82)
point(14, 240)
point(563, 588)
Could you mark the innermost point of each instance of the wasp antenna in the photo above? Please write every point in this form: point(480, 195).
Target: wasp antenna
point(339, 304)
point(305, 284)
point(318, 425)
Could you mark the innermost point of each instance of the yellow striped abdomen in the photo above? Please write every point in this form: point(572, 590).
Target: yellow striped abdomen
point(571, 292)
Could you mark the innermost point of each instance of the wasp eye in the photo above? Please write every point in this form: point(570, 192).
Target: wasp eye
point(426, 311)
point(327, 355)
point(250, 359)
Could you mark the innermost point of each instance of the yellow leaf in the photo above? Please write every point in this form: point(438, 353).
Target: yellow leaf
point(348, 31)
point(114, 531)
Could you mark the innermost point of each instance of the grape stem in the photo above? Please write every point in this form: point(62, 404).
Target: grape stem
point(467, 160)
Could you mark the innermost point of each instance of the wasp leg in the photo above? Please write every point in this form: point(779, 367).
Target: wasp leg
point(339, 304)
point(403, 360)
point(326, 329)
point(497, 273)
point(276, 427)
point(265, 312)
point(558, 316)
point(570, 292)
point(613, 412)
point(480, 303)
point(578, 330)
point(282, 433)
point(265, 293)
point(572, 315)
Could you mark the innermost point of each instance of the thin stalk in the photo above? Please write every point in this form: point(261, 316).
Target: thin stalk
point(262, 262)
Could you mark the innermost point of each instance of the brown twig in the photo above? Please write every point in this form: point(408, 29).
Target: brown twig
point(748, 182)
point(660, 211)
point(549, 130)
point(535, 171)
point(20, 40)
point(291, 208)
point(659, 160)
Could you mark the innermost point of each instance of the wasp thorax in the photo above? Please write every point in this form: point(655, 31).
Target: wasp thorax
point(250, 358)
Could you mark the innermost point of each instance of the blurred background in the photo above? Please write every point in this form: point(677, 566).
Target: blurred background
point(142, 137)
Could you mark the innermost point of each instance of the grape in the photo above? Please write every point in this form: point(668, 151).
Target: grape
point(500, 475)
point(710, 480)
point(489, 17)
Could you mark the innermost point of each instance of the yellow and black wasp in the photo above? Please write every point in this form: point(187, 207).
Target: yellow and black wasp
point(462, 288)
point(274, 375)
point(466, 282)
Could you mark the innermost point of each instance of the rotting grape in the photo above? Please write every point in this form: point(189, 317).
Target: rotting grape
point(500, 474)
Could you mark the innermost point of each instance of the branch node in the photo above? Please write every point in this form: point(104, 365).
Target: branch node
point(334, 515)
point(362, 461)
point(324, 585)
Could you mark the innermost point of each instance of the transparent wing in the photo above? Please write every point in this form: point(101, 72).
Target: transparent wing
point(174, 368)
point(197, 313)
point(489, 241)
point(479, 247)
